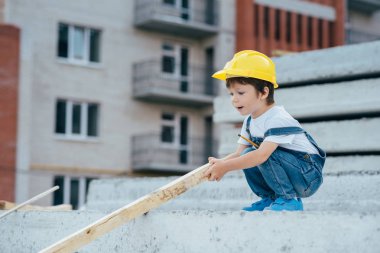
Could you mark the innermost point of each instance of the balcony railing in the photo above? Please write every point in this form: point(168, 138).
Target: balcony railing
point(369, 6)
point(354, 36)
point(151, 153)
point(191, 86)
point(199, 19)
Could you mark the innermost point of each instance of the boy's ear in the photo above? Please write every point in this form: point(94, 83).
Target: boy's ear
point(265, 94)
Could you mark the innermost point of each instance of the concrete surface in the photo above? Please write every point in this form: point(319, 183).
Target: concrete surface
point(328, 99)
point(333, 136)
point(202, 231)
point(346, 192)
point(331, 63)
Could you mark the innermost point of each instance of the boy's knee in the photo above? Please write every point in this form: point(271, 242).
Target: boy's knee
point(247, 150)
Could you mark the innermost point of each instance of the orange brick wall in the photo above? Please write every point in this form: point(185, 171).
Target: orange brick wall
point(9, 83)
point(266, 29)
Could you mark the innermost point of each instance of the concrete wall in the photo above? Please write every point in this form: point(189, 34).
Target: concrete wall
point(206, 231)
point(354, 191)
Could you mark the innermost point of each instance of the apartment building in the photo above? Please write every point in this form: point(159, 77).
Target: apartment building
point(277, 27)
point(107, 88)
point(362, 21)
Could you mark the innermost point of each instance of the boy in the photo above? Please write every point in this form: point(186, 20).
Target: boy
point(285, 163)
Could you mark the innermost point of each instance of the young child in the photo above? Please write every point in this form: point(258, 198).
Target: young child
point(285, 164)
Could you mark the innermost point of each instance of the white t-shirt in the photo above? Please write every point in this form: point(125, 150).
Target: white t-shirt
point(273, 118)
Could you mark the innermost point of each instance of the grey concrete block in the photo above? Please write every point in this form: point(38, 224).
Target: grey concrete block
point(205, 231)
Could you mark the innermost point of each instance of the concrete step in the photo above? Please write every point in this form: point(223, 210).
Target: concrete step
point(354, 60)
point(306, 101)
point(332, 136)
point(337, 193)
point(201, 231)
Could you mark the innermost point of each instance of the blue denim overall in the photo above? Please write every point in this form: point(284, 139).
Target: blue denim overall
point(287, 173)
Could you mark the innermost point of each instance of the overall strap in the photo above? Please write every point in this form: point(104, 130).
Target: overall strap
point(247, 127)
point(294, 130)
point(256, 140)
point(284, 131)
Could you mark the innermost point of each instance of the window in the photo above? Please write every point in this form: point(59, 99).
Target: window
point(76, 119)
point(174, 131)
point(168, 59)
point(78, 44)
point(169, 2)
point(72, 190)
point(175, 64)
point(168, 127)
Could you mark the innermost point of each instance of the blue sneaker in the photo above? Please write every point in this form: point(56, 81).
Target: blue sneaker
point(281, 204)
point(259, 205)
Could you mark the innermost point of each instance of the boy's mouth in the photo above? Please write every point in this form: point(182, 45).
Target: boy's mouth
point(239, 108)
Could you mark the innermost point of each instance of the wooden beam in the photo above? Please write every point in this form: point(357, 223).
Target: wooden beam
point(6, 205)
point(41, 195)
point(129, 212)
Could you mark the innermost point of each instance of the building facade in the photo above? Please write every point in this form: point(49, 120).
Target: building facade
point(362, 21)
point(109, 88)
point(277, 27)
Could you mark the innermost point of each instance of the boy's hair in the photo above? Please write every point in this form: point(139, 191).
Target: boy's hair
point(258, 84)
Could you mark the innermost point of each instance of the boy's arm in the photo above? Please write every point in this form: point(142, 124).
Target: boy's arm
point(252, 158)
point(235, 154)
point(234, 161)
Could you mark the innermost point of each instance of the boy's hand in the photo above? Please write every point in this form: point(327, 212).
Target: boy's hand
point(216, 170)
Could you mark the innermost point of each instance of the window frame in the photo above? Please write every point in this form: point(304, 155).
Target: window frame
point(175, 52)
point(84, 118)
point(86, 45)
point(83, 182)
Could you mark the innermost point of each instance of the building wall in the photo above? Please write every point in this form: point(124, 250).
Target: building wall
point(46, 78)
point(362, 27)
point(9, 87)
point(291, 26)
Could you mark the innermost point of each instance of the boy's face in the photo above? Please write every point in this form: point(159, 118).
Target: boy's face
point(246, 99)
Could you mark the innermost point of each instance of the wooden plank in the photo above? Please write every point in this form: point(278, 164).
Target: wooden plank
point(41, 195)
point(129, 212)
point(6, 205)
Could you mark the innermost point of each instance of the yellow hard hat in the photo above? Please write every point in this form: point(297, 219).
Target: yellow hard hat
point(249, 63)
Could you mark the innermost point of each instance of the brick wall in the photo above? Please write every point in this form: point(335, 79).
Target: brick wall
point(9, 83)
point(272, 30)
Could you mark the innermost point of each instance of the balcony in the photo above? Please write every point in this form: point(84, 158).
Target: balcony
point(368, 6)
point(193, 86)
point(151, 154)
point(197, 20)
point(354, 35)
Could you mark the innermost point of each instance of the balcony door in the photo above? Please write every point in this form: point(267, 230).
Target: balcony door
point(174, 134)
point(182, 5)
point(175, 65)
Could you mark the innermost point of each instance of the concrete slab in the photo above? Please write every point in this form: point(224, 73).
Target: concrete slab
point(351, 97)
point(332, 136)
point(331, 63)
point(337, 193)
point(205, 231)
